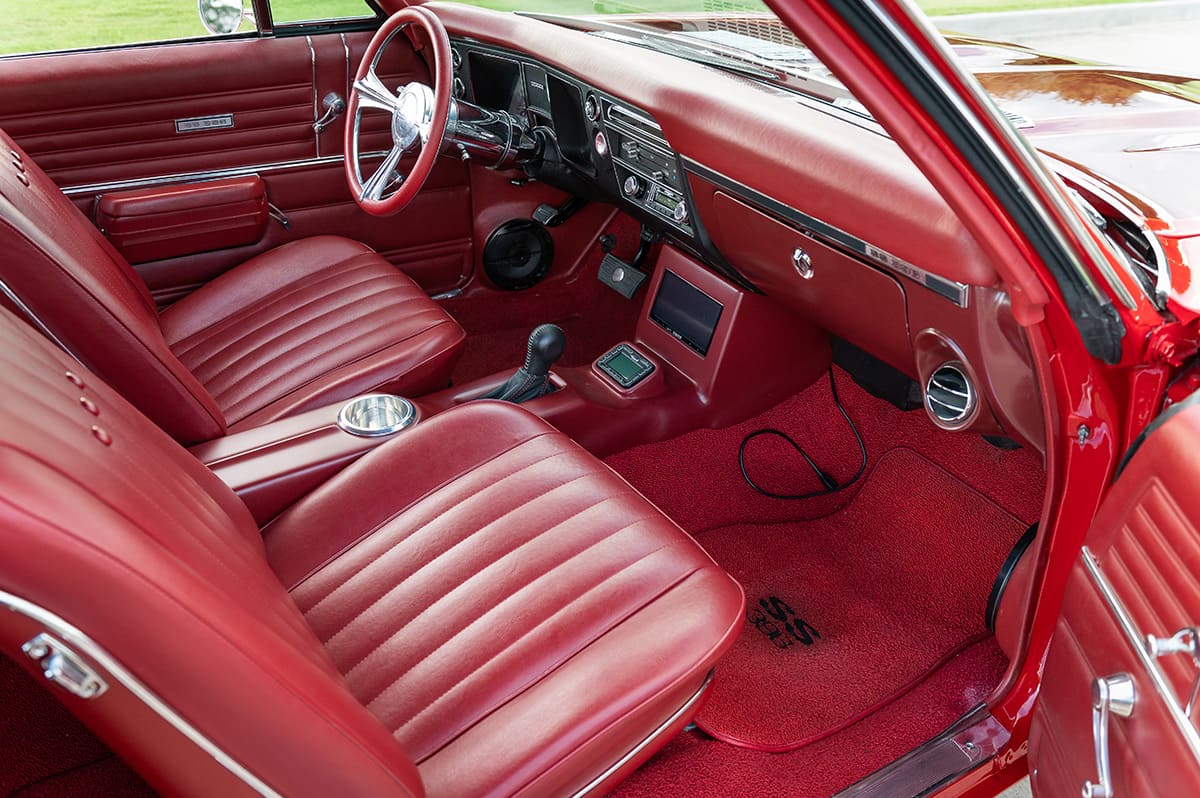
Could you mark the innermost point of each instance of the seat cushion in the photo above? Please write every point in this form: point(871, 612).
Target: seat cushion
point(307, 324)
point(514, 612)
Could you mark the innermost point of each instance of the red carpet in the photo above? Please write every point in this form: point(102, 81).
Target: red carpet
point(694, 478)
point(699, 767)
point(851, 610)
point(46, 752)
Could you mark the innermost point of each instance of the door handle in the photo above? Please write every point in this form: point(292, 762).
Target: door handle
point(334, 107)
point(1111, 695)
point(1185, 641)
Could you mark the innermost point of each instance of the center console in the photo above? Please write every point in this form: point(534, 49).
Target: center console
point(705, 354)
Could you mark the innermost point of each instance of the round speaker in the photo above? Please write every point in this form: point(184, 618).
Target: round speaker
point(517, 254)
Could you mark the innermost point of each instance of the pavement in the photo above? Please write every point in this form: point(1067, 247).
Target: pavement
point(1019, 790)
point(1159, 36)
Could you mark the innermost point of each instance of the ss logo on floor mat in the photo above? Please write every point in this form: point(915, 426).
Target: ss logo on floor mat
point(775, 620)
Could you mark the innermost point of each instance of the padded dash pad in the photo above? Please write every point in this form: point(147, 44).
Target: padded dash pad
point(850, 611)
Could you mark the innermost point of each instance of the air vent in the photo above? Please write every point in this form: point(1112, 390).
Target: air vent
point(635, 120)
point(949, 396)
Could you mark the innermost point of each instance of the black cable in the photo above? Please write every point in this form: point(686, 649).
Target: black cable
point(831, 484)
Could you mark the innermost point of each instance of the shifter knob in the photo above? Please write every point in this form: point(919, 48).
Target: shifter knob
point(546, 344)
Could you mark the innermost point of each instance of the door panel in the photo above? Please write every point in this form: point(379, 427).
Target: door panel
point(1138, 575)
point(105, 117)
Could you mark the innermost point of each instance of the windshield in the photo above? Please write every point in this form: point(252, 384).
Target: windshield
point(738, 35)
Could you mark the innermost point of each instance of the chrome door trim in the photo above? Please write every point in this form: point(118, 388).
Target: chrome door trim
point(84, 644)
point(204, 175)
point(650, 738)
point(312, 54)
point(1146, 659)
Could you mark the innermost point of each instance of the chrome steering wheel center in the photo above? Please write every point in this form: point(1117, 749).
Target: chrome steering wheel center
point(412, 115)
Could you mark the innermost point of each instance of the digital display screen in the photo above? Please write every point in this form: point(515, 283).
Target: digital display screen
point(665, 201)
point(686, 312)
point(624, 366)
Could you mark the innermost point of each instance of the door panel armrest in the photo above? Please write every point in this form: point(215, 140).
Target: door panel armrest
point(169, 221)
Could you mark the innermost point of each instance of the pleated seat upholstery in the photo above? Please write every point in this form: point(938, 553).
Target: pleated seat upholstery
point(309, 323)
point(319, 318)
point(477, 607)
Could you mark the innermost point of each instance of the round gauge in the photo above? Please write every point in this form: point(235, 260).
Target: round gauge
point(601, 143)
point(591, 108)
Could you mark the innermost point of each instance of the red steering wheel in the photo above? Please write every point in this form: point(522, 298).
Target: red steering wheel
point(418, 112)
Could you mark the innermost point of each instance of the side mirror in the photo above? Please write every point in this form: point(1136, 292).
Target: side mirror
point(222, 16)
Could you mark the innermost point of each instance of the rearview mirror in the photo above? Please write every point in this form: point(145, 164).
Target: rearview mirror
point(221, 16)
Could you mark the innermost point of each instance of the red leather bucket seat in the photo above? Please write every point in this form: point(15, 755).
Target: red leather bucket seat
point(304, 325)
point(478, 607)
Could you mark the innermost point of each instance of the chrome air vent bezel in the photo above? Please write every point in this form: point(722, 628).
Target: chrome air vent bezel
point(948, 407)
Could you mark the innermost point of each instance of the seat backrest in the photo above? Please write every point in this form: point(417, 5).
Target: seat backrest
point(85, 293)
point(109, 527)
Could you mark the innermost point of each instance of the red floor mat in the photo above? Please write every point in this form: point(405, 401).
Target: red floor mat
point(698, 766)
point(849, 611)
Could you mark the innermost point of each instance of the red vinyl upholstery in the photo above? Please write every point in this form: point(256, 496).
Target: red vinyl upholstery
point(476, 608)
point(315, 320)
point(329, 317)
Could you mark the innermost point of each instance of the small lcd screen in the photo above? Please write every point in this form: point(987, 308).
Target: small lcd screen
point(624, 366)
point(665, 201)
point(686, 312)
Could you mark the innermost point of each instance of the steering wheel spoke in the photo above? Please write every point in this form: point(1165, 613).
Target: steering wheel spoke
point(379, 182)
point(372, 93)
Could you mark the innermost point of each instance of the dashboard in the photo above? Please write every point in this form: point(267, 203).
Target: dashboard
point(596, 143)
point(775, 195)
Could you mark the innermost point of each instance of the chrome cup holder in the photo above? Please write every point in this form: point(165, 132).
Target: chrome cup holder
point(376, 414)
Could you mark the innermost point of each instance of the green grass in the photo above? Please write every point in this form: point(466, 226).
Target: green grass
point(32, 26)
point(41, 25)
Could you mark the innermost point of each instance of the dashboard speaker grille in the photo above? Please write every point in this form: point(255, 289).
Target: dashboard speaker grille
point(949, 395)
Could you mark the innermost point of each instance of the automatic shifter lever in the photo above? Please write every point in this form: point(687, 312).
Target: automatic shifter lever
point(546, 344)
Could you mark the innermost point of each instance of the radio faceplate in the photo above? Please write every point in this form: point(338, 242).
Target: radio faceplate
point(647, 171)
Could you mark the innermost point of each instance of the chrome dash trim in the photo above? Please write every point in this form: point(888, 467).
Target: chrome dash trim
point(210, 174)
point(85, 645)
point(616, 110)
point(312, 54)
point(36, 321)
point(952, 290)
point(1146, 658)
point(650, 738)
